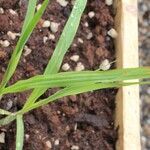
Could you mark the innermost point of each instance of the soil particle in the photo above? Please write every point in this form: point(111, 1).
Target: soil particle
point(86, 120)
point(94, 120)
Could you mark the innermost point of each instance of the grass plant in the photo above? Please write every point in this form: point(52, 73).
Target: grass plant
point(70, 83)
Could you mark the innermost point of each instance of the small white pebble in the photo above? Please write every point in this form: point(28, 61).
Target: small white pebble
point(108, 2)
point(105, 65)
point(2, 137)
point(27, 51)
point(112, 33)
point(56, 142)
point(66, 67)
point(75, 58)
point(46, 24)
point(76, 126)
point(80, 40)
point(91, 14)
point(74, 45)
point(27, 136)
point(51, 36)
point(49, 144)
point(89, 36)
point(54, 27)
point(79, 67)
point(13, 12)
point(45, 38)
point(38, 6)
point(4, 43)
point(9, 105)
point(74, 147)
point(1, 10)
point(86, 24)
point(12, 35)
point(63, 3)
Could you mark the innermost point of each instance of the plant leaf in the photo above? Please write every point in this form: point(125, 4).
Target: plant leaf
point(4, 112)
point(7, 120)
point(73, 90)
point(29, 14)
point(19, 48)
point(62, 46)
point(20, 133)
point(76, 78)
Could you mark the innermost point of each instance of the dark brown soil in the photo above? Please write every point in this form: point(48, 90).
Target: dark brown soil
point(86, 120)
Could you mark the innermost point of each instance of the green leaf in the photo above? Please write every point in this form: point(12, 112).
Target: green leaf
point(20, 133)
point(62, 46)
point(73, 90)
point(22, 41)
point(7, 120)
point(77, 78)
point(4, 112)
point(29, 14)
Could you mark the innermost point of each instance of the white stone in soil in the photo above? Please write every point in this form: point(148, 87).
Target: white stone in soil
point(46, 24)
point(109, 2)
point(74, 147)
point(48, 144)
point(54, 27)
point(91, 14)
point(105, 65)
point(80, 40)
point(2, 137)
point(4, 43)
point(63, 3)
point(75, 58)
point(27, 136)
point(13, 12)
point(27, 51)
point(51, 36)
point(1, 10)
point(89, 36)
point(38, 6)
point(66, 67)
point(9, 105)
point(79, 67)
point(56, 142)
point(45, 38)
point(112, 33)
point(12, 35)
point(86, 24)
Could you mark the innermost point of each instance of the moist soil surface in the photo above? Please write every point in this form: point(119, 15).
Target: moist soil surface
point(85, 121)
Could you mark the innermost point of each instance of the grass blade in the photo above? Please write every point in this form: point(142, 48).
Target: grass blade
point(62, 46)
point(7, 120)
point(19, 48)
point(73, 90)
point(77, 78)
point(20, 133)
point(30, 13)
point(4, 112)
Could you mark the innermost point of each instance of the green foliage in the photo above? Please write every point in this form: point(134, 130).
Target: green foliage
point(70, 83)
point(20, 133)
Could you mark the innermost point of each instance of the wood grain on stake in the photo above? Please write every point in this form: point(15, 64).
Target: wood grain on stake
point(127, 111)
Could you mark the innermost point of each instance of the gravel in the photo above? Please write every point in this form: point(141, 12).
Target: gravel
point(144, 51)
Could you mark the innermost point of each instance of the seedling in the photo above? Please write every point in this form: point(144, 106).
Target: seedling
point(70, 82)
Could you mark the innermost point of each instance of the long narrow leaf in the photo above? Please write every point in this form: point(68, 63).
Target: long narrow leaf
point(19, 48)
point(20, 133)
point(29, 14)
point(63, 44)
point(7, 120)
point(73, 90)
point(4, 112)
point(77, 78)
